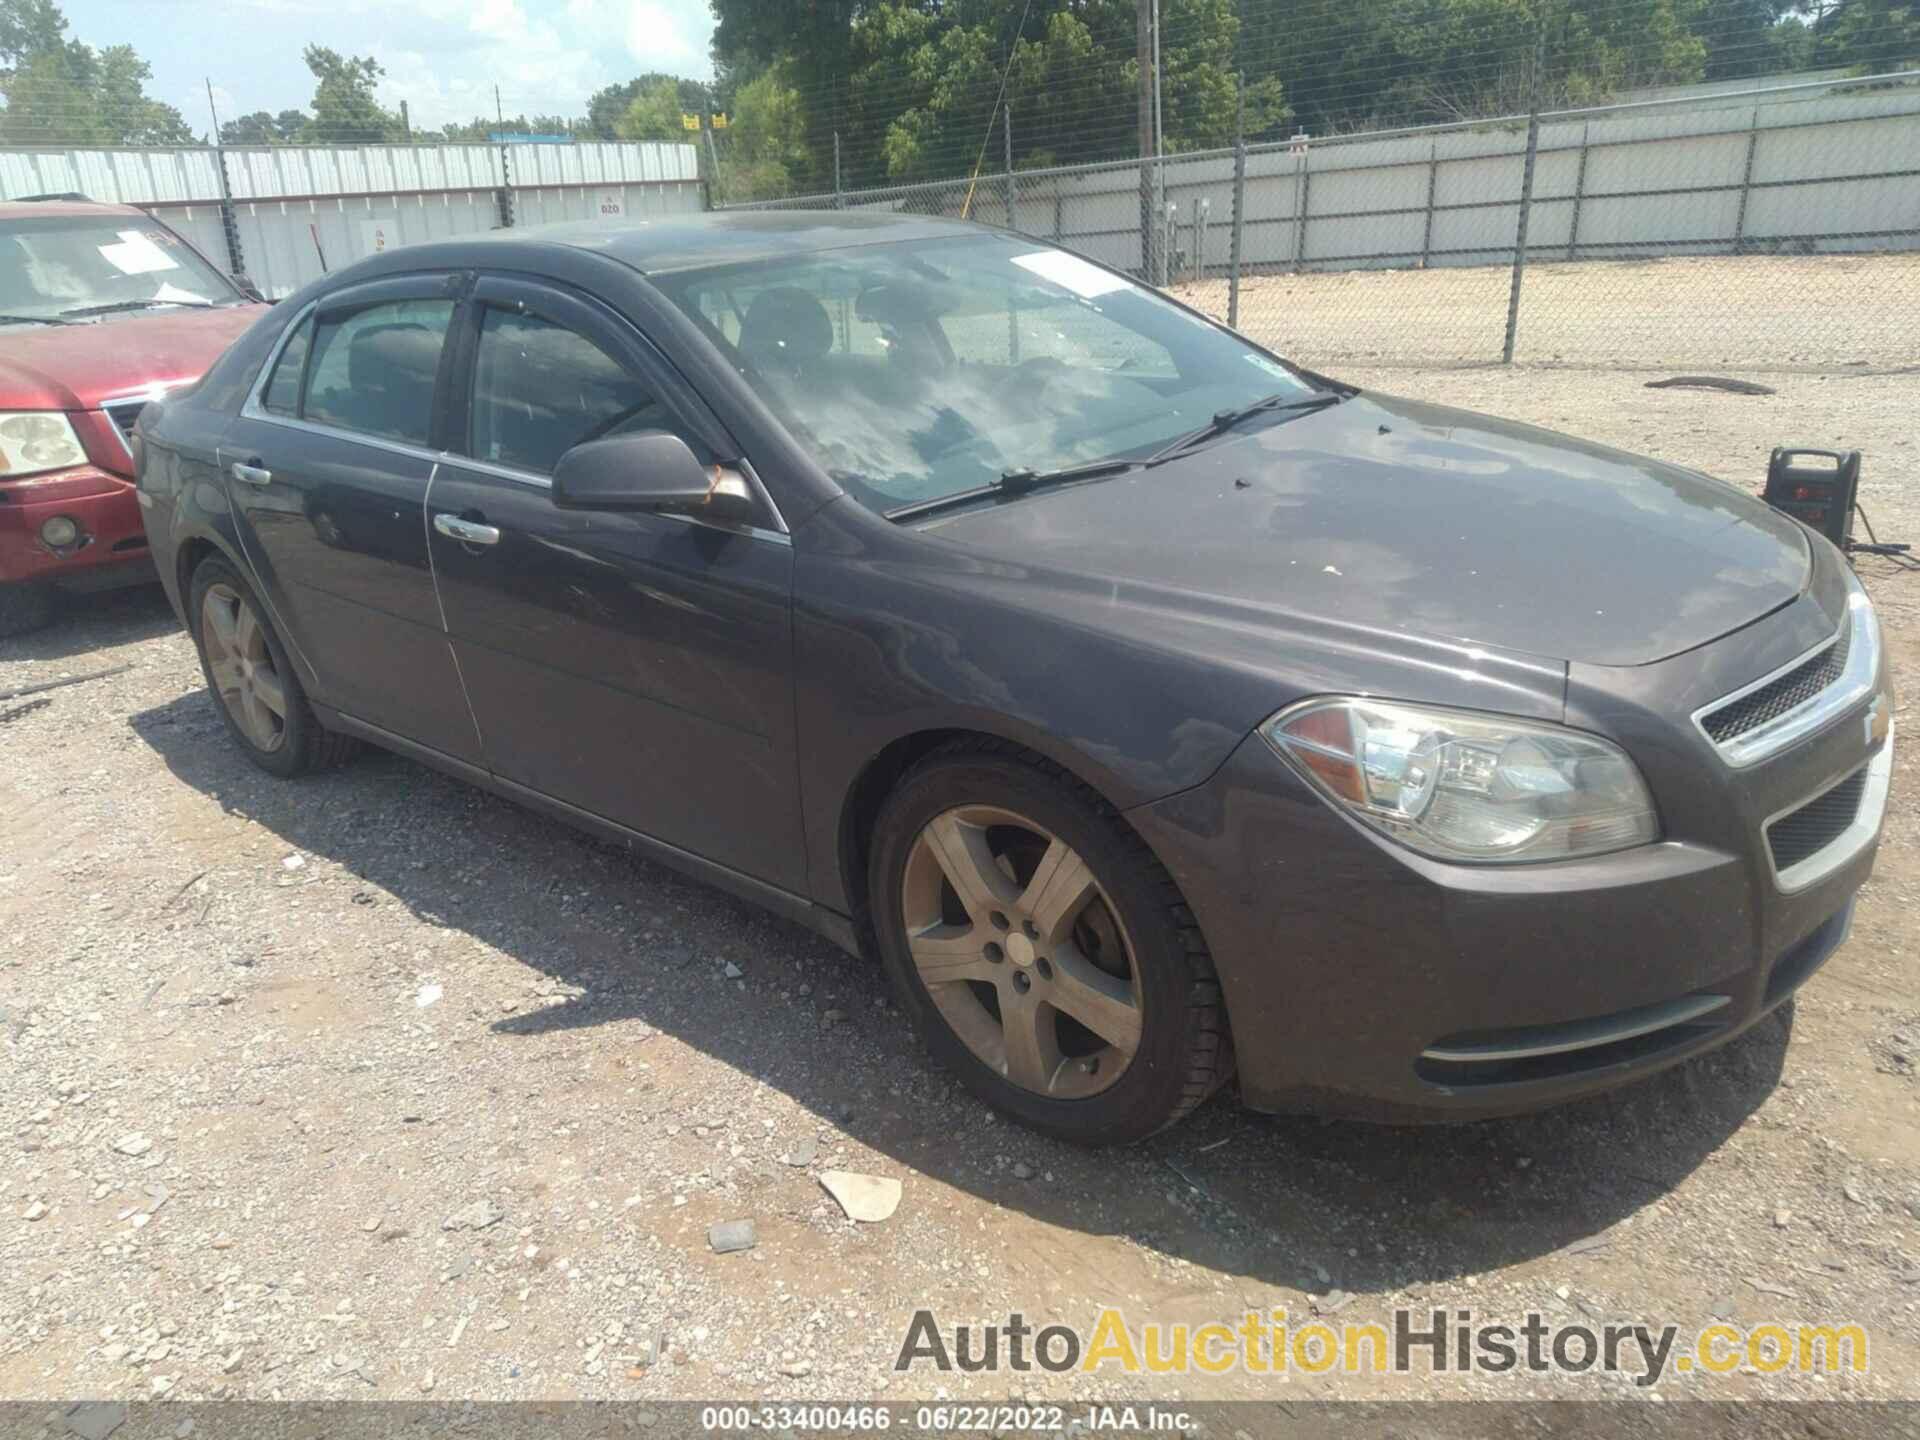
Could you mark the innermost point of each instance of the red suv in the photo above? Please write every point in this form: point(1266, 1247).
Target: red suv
point(101, 309)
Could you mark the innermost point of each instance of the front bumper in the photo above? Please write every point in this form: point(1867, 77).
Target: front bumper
point(113, 545)
point(1363, 979)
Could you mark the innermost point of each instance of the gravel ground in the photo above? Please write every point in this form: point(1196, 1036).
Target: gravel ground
point(1800, 312)
point(375, 1086)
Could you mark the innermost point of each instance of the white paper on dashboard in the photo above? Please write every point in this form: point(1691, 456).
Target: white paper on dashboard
point(137, 255)
point(1081, 277)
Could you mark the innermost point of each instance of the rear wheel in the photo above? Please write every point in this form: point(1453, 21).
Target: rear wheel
point(247, 669)
point(1042, 951)
point(25, 605)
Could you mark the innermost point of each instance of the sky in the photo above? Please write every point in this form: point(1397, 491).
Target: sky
point(443, 57)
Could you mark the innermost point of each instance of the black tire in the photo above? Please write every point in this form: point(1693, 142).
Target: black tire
point(305, 745)
point(1185, 1052)
point(24, 606)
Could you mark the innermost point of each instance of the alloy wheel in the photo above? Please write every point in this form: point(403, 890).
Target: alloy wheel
point(1022, 952)
point(242, 667)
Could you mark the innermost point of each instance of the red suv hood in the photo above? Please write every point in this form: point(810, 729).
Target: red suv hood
point(75, 367)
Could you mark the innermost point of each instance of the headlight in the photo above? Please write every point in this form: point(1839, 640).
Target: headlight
point(1463, 786)
point(37, 440)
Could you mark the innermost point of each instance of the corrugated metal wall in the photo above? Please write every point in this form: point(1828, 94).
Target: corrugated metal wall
point(302, 210)
point(1825, 168)
point(1828, 174)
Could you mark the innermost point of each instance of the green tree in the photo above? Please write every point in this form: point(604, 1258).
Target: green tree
point(29, 28)
point(654, 113)
point(1873, 37)
point(261, 128)
point(59, 91)
point(345, 111)
point(926, 80)
point(766, 139)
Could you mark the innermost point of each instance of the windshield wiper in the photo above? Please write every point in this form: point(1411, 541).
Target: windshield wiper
point(1013, 482)
point(1225, 420)
point(31, 320)
point(114, 305)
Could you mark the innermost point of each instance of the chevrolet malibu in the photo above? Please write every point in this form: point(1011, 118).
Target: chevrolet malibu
point(1152, 710)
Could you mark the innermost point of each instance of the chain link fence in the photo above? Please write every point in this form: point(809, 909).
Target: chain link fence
point(1771, 229)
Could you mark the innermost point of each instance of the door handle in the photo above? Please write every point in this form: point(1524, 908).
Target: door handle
point(251, 474)
point(467, 532)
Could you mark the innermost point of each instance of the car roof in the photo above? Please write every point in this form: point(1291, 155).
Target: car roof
point(727, 237)
point(41, 209)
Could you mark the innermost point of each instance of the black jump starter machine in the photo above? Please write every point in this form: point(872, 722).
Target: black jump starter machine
point(1819, 495)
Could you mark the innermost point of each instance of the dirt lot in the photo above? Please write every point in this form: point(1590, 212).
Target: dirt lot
point(373, 1085)
point(1836, 312)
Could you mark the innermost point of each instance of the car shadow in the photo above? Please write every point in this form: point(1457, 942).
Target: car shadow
point(86, 623)
point(1296, 1202)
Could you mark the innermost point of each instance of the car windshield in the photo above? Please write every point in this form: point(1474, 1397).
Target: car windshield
point(918, 369)
point(64, 267)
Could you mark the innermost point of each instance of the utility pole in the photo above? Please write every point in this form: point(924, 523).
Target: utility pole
point(499, 115)
point(406, 123)
point(1143, 59)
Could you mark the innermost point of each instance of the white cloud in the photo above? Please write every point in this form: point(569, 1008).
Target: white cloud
point(659, 40)
point(544, 60)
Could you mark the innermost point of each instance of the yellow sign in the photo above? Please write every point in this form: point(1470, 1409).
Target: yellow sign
point(719, 122)
point(689, 122)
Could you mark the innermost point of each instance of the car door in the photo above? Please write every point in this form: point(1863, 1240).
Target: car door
point(327, 466)
point(636, 665)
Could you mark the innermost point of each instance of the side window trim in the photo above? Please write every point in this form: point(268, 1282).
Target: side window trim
point(302, 325)
point(451, 285)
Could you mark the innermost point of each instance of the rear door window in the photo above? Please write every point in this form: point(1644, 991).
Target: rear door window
point(373, 369)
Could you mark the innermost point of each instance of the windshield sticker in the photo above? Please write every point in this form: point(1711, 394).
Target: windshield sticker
point(137, 255)
point(1272, 367)
point(169, 291)
point(1083, 279)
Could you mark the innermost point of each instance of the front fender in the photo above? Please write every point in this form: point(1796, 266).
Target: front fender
point(1141, 693)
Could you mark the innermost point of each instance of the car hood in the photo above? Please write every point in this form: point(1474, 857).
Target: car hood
point(1402, 517)
point(75, 367)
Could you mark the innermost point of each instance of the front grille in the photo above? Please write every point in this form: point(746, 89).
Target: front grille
point(123, 413)
point(1777, 697)
point(1816, 824)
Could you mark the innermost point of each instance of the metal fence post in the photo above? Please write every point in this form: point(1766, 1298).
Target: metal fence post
point(229, 227)
point(716, 193)
point(1746, 186)
point(1579, 192)
point(505, 194)
point(1239, 211)
point(1526, 194)
point(1433, 187)
point(1006, 133)
point(229, 222)
point(1302, 197)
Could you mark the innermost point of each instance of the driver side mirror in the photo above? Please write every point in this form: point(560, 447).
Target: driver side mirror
point(648, 470)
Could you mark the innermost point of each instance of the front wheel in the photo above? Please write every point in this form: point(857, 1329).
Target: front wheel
point(1041, 950)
